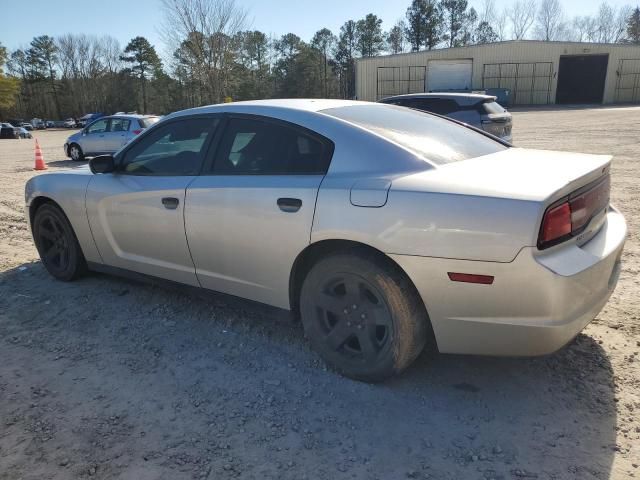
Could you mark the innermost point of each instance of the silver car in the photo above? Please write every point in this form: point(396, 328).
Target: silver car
point(106, 135)
point(480, 111)
point(385, 228)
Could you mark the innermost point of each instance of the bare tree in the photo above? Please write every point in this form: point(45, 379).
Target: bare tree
point(205, 30)
point(605, 23)
point(500, 25)
point(621, 22)
point(487, 12)
point(521, 14)
point(583, 28)
point(549, 20)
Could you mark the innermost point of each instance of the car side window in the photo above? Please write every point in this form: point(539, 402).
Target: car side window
point(257, 147)
point(99, 126)
point(174, 149)
point(440, 106)
point(119, 125)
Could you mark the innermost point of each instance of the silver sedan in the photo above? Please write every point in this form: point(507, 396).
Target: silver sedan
point(106, 135)
point(386, 229)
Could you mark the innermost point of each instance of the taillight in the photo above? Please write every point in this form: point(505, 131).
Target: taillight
point(136, 132)
point(556, 225)
point(572, 215)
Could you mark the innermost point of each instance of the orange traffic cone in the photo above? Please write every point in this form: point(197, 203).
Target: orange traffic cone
point(40, 165)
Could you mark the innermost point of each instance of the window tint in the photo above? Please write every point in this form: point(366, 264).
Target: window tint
point(441, 106)
point(98, 127)
point(119, 125)
point(430, 137)
point(176, 148)
point(257, 147)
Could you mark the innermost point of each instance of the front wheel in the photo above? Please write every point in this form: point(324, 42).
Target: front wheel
point(363, 316)
point(57, 245)
point(75, 153)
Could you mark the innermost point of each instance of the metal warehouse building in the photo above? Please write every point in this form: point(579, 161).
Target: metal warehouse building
point(536, 72)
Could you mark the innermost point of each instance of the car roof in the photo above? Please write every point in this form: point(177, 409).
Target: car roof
point(125, 115)
point(460, 98)
point(294, 104)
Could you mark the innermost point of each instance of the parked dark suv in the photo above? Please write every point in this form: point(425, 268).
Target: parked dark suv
point(480, 111)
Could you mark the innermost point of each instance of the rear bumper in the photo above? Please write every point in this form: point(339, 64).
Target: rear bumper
point(537, 303)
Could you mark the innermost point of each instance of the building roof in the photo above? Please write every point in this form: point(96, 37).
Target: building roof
point(504, 43)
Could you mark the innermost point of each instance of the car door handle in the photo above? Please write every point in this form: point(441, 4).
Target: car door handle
point(289, 204)
point(170, 203)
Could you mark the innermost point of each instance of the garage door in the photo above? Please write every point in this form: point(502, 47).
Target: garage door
point(628, 83)
point(528, 83)
point(581, 78)
point(449, 75)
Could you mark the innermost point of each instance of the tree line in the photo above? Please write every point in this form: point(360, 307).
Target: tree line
point(216, 58)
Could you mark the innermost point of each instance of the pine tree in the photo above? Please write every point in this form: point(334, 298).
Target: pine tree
point(323, 41)
point(454, 12)
point(44, 54)
point(144, 61)
point(424, 23)
point(370, 40)
point(344, 53)
point(633, 26)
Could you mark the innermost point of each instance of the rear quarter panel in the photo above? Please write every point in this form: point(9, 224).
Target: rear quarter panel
point(68, 190)
point(428, 224)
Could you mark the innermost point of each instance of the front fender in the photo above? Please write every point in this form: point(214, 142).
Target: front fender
point(68, 191)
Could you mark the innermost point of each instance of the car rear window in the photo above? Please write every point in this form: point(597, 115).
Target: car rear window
point(493, 107)
point(432, 138)
point(146, 122)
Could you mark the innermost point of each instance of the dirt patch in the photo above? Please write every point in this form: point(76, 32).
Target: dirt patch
point(107, 378)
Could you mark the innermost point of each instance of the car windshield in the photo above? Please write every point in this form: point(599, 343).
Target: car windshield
point(146, 122)
point(432, 138)
point(493, 107)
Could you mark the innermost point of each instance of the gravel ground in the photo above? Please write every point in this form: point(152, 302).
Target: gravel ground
point(108, 378)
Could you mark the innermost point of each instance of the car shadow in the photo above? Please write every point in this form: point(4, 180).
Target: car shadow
point(210, 359)
point(67, 163)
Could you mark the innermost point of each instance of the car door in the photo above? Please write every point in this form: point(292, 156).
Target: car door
point(116, 135)
point(92, 140)
point(136, 213)
point(251, 211)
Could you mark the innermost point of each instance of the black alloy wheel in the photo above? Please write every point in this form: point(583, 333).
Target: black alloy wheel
point(363, 315)
point(57, 244)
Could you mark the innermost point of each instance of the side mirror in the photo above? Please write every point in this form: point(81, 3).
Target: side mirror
point(102, 164)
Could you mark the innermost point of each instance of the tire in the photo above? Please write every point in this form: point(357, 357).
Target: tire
point(57, 244)
point(363, 316)
point(75, 152)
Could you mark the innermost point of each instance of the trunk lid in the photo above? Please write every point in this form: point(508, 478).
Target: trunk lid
point(515, 173)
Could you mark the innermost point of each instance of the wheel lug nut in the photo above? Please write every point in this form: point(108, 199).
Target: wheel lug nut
point(348, 324)
point(363, 316)
point(354, 306)
point(346, 310)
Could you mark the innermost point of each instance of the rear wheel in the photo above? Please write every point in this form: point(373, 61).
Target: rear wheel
point(75, 152)
point(57, 244)
point(363, 316)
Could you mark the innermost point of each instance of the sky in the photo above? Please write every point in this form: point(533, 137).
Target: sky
point(125, 19)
